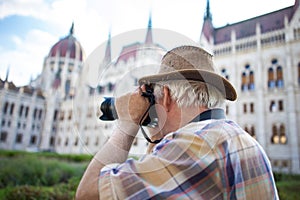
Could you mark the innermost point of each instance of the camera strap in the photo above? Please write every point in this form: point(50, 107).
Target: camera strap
point(216, 113)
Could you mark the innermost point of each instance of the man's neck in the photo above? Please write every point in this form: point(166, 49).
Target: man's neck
point(180, 117)
point(188, 114)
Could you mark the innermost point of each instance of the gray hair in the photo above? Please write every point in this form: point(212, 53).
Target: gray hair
point(191, 93)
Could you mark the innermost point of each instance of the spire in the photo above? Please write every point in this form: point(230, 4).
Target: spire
point(149, 31)
point(207, 15)
point(207, 32)
point(31, 79)
point(7, 74)
point(107, 58)
point(72, 29)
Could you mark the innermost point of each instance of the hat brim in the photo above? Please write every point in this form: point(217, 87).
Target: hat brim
point(222, 84)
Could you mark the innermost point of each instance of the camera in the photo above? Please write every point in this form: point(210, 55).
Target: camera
point(109, 110)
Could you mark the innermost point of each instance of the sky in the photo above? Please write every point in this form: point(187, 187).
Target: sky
point(29, 28)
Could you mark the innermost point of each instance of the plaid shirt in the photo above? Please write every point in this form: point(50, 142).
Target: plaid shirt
point(211, 159)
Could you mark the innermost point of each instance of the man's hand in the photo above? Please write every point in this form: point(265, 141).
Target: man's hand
point(132, 106)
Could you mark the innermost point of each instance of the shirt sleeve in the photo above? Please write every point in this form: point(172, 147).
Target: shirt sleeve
point(220, 161)
point(168, 171)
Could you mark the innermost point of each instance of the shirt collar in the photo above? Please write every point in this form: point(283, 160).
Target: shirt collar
point(215, 113)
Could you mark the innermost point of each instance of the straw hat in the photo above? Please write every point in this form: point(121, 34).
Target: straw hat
point(194, 64)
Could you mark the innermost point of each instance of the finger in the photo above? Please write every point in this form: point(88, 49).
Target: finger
point(143, 88)
point(138, 91)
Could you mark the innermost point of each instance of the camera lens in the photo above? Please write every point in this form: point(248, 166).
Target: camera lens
point(109, 112)
point(108, 109)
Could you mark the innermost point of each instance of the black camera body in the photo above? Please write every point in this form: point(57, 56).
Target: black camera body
point(109, 110)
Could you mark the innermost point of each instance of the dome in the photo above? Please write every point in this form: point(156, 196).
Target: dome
point(67, 46)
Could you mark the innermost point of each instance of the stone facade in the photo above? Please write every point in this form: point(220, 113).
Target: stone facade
point(261, 57)
point(59, 111)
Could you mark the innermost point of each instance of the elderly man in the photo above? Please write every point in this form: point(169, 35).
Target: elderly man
point(198, 153)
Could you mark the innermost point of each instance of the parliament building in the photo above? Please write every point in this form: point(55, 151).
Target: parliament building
point(59, 110)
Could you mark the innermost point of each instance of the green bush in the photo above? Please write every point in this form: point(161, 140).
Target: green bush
point(288, 186)
point(44, 175)
point(37, 171)
point(62, 191)
point(15, 171)
point(63, 157)
point(288, 190)
point(25, 192)
point(48, 175)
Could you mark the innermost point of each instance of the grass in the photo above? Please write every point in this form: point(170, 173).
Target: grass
point(48, 175)
point(288, 186)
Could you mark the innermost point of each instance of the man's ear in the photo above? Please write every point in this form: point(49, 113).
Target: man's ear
point(167, 100)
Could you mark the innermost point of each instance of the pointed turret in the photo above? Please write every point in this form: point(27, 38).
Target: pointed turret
point(72, 29)
point(207, 15)
point(149, 31)
point(107, 58)
point(207, 28)
point(7, 74)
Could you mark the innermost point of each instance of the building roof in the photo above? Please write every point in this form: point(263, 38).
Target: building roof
point(129, 51)
point(25, 89)
point(68, 44)
point(268, 22)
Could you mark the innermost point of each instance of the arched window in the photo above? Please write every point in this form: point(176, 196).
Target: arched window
point(271, 80)
point(275, 75)
point(245, 108)
point(61, 115)
point(279, 74)
point(272, 106)
point(247, 79)
point(5, 108)
point(21, 110)
point(35, 113)
point(76, 141)
point(252, 132)
point(19, 138)
point(3, 136)
point(244, 81)
point(252, 107)
point(282, 136)
point(40, 113)
point(52, 141)
point(280, 105)
point(251, 80)
point(26, 111)
point(67, 87)
point(275, 137)
point(101, 89)
point(67, 141)
point(278, 134)
point(55, 116)
point(33, 139)
point(111, 87)
point(12, 106)
point(274, 61)
point(91, 91)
